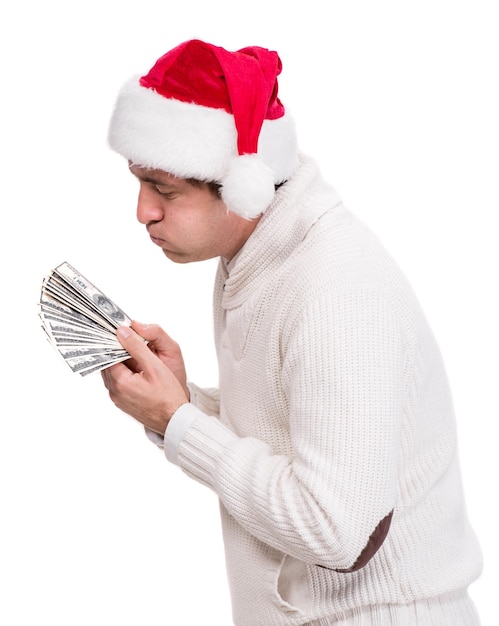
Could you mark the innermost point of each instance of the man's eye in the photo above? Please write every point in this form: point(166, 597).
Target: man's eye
point(169, 195)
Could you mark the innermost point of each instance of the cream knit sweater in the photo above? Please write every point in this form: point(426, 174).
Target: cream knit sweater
point(333, 410)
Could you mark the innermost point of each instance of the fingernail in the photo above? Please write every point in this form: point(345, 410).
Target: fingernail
point(123, 332)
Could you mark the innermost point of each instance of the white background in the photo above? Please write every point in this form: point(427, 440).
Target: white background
point(397, 100)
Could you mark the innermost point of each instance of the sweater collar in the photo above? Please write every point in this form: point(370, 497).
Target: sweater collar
point(296, 206)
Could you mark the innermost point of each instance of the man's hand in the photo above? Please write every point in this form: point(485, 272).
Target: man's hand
point(165, 348)
point(146, 387)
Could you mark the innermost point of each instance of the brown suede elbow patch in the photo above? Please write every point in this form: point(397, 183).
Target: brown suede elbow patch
point(374, 543)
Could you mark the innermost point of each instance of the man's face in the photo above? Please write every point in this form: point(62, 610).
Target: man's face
point(187, 222)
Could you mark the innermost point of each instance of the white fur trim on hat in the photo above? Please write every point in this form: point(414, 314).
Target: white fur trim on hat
point(193, 141)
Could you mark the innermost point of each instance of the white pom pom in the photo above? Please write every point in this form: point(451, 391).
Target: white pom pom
point(248, 187)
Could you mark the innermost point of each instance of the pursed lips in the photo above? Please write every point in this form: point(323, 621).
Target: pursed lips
point(157, 240)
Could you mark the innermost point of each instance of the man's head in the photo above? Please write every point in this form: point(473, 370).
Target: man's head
point(187, 218)
point(207, 114)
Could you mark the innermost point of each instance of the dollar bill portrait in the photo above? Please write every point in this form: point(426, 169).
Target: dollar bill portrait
point(107, 305)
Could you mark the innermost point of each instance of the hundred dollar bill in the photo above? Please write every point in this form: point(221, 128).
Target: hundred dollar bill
point(80, 321)
point(97, 299)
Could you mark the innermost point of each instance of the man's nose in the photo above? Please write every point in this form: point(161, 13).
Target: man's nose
point(148, 206)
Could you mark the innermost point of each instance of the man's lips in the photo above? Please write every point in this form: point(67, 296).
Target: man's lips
point(161, 243)
point(156, 240)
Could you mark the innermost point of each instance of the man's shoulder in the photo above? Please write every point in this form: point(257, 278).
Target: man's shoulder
point(340, 252)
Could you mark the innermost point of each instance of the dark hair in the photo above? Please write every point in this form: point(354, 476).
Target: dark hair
point(213, 187)
point(216, 188)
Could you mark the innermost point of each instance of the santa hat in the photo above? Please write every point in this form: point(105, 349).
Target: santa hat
point(205, 113)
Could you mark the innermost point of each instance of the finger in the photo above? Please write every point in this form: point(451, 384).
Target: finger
point(157, 338)
point(132, 365)
point(142, 357)
point(109, 373)
point(105, 378)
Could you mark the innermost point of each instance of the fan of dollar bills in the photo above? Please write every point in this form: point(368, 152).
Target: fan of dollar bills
point(80, 321)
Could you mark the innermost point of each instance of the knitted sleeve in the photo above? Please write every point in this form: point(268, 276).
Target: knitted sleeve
point(342, 376)
point(207, 399)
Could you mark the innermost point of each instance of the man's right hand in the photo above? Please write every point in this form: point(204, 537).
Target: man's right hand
point(165, 348)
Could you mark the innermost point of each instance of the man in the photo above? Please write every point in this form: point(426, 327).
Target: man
point(331, 441)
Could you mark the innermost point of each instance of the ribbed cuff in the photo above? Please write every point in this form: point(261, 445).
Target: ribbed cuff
point(203, 446)
point(179, 423)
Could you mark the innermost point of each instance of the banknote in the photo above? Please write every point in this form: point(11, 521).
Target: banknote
point(80, 321)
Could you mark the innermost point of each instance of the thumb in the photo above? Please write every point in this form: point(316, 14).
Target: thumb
point(135, 346)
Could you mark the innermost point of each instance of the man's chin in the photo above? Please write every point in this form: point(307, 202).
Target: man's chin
point(176, 257)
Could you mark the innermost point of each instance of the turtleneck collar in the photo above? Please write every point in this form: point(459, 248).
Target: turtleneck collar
point(296, 206)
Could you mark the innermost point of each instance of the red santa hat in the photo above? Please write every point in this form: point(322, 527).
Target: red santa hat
point(206, 113)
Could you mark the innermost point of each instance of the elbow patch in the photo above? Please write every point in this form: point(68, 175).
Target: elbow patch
point(374, 543)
